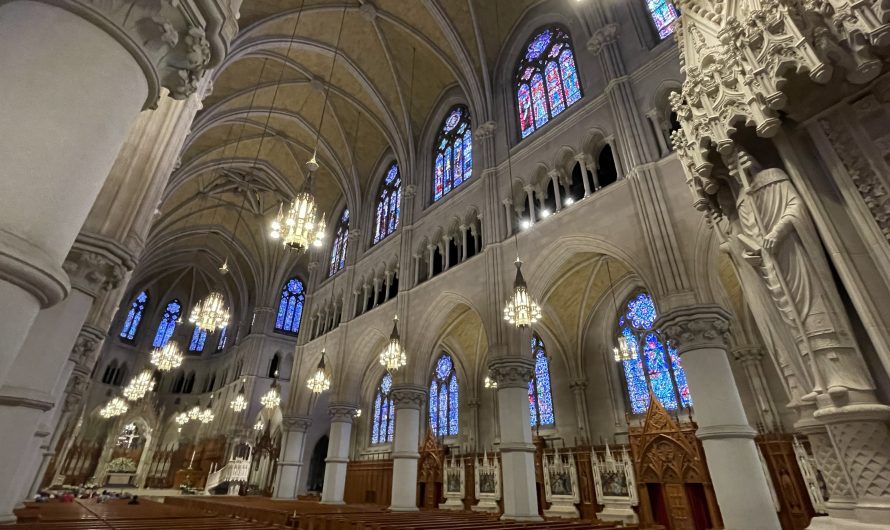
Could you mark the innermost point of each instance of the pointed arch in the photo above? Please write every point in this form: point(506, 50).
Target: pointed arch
point(384, 412)
point(387, 210)
point(656, 365)
point(443, 401)
point(168, 323)
point(134, 317)
point(199, 337)
point(339, 244)
point(540, 395)
point(290, 307)
point(545, 79)
point(453, 152)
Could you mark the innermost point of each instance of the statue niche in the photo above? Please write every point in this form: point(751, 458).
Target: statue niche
point(765, 227)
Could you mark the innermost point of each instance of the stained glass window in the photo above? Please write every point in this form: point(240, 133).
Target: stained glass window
point(540, 398)
point(199, 337)
point(134, 317)
point(444, 398)
point(223, 339)
point(167, 324)
point(388, 198)
point(454, 152)
point(664, 14)
point(290, 307)
point(338, 247)
point(546, 79)
point(384, 413)
point(656, 365)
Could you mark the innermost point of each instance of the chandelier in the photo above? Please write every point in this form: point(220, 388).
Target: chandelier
point(319, 382)
point(115, 407)
point(393, 356)
point(194, 413)
point(301, 225)
point(167, 357)
point(358, 413)
point(139, 386)
point(210, 313)
point(489, 382)
point(206, 416)
point(623, 351)
point(258, 426)
point(240, 402)
point(521, 310)
point(182, 418)
point(272, 398)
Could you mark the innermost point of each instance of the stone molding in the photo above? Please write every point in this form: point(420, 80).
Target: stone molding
point(93, 271)
point(28, 267)
point(407, 396)
point(512, 372)
point(719, 432)
point(517, 447)
point(15, 396)
point(341, 411)
point(297, 423)
point(602, 37)
point(486, 130)
point(174, 42)
point(696, 327)
point(747, 355)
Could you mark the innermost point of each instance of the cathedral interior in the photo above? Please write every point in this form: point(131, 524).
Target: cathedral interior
point(446, 263)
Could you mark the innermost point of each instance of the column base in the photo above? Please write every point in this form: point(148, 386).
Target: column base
point(8, 518)
point(534, 518)
point(486, 505)
point(833, 523)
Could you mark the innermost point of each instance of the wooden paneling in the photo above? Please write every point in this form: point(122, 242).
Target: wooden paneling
point(369, 482)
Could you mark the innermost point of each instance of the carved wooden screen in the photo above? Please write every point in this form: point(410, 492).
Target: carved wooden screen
point(778, 452)
point(429, 473)
point(369, 481)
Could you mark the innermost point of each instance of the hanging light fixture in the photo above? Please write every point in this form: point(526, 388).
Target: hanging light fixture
point(206, 416)
point(319, 382)
point(622, 351)
point(521, 310)
point(258, 426)
point(272, 398)
point(489, 382)
point(393, 355)
point(240, 402)
point(182, 418)
point(195, 412)
point(167, 357)
point(115, 407)
point(358, 413)
point(139, 386)
point(211, 313)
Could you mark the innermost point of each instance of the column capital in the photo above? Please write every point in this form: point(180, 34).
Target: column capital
point(84, 347)
point(578, 384)
point(297, 423)
point(486, 130)
point(407, 396)
point(174, 43)
point(342, 411)
point(602, 37)
point(354, 233)
point(409, 191)
point(511, 372)
point(696, 327)
point(92, 271)
point(746, 355)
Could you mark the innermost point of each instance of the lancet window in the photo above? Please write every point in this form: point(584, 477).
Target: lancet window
point(656, 365)
point(453, 152)
point(546, 79)
point(338, 247)
point(384, 413)
point(664, 14)
point(443, 402)
point(290, 307)
point(199, 337)
point(540, 397)
point(388, 198)
point(168, 323)
point(134, 317)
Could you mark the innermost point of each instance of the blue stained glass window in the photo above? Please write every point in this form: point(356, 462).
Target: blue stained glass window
point(664, 14)
point(444, 402)
point(338, 247)
point(167, 324)
point(652, 367)
point(134, 317)
point(546, 79)
point(388, 199)
point(384, 413)
point(540, 396)
point(199, 337)
point(454, 152)
point(290, 307)
point(223, 339)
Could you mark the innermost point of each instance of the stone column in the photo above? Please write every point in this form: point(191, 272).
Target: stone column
point(508, 217)
point(446, 253)
point(342, 415)
point(750, 358)
point(463, 242)
point(554, 178)
point(517, 450)
point(586, 176)
point(83, 71)
point(408, 401)
point(578, 387)
point(530, 194)
point(700, 335)
point(431, 249)
point(841, 501)
point(290, 465)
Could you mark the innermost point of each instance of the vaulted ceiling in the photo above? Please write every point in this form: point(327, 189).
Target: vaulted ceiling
point(383, 75)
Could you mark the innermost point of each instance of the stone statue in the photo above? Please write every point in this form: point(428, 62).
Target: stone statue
point(771, 231)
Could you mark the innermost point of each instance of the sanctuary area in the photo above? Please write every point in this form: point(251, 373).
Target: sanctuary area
point(445, 264)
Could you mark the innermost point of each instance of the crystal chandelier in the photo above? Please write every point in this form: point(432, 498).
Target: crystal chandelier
point(623, 352)
point(194, 413)
point(301, 225)
point(210, 313)
point(521, 310)
point(115, 407)
point(258, 426)
point(489, 382)
point(182, 418)
point(139, 386)
point(167, 357)
point(393, 356)
point(319, 382)
point(240, 402)
point(272, 398)
point(206, 416)
point(358, 413)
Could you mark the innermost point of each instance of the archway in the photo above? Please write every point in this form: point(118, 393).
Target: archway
point(315, 477)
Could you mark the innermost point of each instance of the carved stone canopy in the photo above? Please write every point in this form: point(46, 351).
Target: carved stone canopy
point(696, 327)
point(406, 396)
